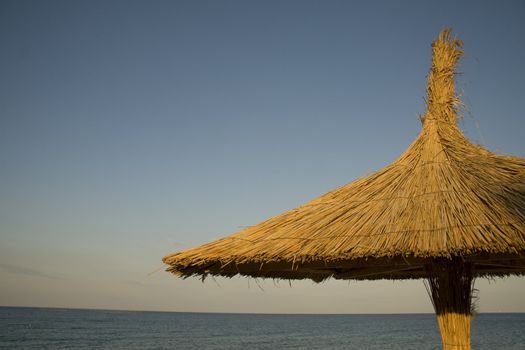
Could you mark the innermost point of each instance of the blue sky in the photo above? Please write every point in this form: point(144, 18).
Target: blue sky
point(131, 129)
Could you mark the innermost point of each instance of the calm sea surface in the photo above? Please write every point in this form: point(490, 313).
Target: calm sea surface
point(33, 328)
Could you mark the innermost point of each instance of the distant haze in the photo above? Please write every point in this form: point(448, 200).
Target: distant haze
point(133, 129)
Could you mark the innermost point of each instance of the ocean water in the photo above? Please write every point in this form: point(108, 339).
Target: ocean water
point(35, 328)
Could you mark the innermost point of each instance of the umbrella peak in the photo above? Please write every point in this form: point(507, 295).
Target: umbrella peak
point(442, 101)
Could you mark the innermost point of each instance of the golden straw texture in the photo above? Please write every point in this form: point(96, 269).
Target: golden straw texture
point(443, 197)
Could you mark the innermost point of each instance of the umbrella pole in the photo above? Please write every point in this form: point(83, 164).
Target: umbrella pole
point(450, 285)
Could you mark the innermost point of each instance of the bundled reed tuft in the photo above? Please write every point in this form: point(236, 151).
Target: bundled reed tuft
point(442, 101)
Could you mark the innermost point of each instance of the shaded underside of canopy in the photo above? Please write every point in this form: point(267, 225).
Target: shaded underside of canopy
point(443, 197)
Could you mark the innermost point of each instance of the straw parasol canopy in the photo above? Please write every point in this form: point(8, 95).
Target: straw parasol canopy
point(446, 211)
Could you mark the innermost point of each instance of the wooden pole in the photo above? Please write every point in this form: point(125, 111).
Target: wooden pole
point(450, 286)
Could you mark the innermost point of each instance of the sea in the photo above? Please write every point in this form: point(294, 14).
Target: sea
point(45, 328)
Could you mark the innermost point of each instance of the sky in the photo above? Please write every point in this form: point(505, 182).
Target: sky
point(133, 129)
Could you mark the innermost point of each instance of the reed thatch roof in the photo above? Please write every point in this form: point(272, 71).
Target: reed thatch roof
point(443, 197)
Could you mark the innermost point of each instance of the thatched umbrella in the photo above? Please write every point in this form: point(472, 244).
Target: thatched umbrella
point(446, 211)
